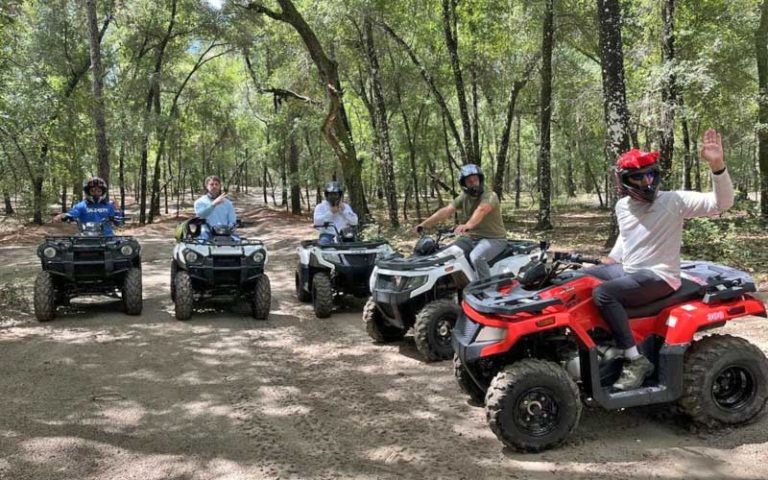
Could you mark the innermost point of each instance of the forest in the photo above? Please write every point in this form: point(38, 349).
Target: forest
point(389, 97)
point(205, 338)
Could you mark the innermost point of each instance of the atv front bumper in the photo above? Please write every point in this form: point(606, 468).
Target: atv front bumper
point(468, 342)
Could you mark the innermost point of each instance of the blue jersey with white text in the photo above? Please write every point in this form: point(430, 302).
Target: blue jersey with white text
point(87, 211)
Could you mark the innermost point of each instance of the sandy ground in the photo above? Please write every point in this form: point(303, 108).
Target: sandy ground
point(97, 394)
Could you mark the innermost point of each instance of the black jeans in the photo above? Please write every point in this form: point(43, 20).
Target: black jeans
point(620, 290)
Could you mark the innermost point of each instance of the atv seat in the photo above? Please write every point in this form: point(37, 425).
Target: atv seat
point(514, 247)
point(689, 290)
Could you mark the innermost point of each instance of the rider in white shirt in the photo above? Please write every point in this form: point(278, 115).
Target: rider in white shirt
point(333, 210)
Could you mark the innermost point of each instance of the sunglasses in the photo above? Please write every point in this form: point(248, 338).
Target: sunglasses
point(638, 177)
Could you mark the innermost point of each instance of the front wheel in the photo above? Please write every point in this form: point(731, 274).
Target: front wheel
point(174, 269)
point(376, 325)
point(45, 297)
point(302, 295)
point(131, 291)
point(261, 299)
point(322, 295)
point(466, 383)
point(532, 405)
point(184, 296)
point(725, 381)
point(432, 329)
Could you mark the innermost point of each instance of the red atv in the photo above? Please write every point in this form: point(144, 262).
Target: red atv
point(528, 346)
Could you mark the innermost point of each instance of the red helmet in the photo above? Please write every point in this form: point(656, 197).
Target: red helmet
point(636, 162)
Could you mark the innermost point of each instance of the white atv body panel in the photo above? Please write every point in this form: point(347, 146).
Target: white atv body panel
point(458, 263)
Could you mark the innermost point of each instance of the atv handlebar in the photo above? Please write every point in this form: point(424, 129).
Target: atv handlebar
point(575, 258)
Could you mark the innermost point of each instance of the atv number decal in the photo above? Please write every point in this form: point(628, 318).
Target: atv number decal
point(714, 316)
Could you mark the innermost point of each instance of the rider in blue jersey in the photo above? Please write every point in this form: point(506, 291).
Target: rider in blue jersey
point(95, 207)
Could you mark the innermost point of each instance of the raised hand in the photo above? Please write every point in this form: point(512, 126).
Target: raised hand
point(712, 150)
point(218, 200)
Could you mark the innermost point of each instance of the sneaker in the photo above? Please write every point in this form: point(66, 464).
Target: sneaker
point(634, 374)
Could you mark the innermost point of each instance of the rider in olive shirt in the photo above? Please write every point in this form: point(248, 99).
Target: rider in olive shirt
point(479, 215)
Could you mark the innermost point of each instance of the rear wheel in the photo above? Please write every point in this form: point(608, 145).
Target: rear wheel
point(184, 296)
point(466, 383)
point(322, 295)
point(303, 295)
point(261, 299)
point(376, 325)
point(432, 329)
point(45, 297)
point(532, 405)
point(131, 291)
point(725, 381)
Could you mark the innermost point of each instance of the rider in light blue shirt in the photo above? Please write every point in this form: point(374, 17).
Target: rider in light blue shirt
point(214, 207)
point(95, 207)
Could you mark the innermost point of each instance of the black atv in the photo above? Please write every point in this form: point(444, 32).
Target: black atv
point(88, 263)
point(222, 265)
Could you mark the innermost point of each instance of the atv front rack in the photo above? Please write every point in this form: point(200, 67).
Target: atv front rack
point(343, 245)
point(86, 242)
point(485, 296)
point(243, 242)
point(412, 263)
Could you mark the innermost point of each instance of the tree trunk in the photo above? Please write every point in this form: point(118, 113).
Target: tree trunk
point(615, 108)
point(545, 180)
point(7, 202)
point(336, 126)
point(382, 124)
point(668, 89)
point(264, 183)
point(37, 199)
point(761, 49)
point(293, 165)
point(687, 155)
point(121, 175)
point(154, 89)
point(102, 151)
point(501, 155)
point(452, 44)
point(518, 161)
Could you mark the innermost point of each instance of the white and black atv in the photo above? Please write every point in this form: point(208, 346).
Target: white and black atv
point(326, 272)
point(222, 265)
point(424, 290)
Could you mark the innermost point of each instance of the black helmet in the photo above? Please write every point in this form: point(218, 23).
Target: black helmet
point(95, 182)
point(467, 171)
point(425, 246)
point(333, 192)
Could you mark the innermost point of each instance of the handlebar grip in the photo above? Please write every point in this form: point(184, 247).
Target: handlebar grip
point(593, 260)
point(419, 229)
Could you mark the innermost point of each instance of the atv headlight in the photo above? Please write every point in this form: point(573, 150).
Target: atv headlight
point(258, 256)
point(49, 252)
point(190, 256)
point(412, 283)
point(126, 250)
point(332, 257)
point(489, 334)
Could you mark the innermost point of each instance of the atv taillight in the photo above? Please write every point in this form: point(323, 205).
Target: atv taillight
point(737, 310)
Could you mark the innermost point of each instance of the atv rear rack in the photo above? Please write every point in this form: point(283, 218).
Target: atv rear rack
point(484, 296)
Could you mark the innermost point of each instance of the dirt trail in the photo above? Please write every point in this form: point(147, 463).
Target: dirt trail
point(100, 395)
